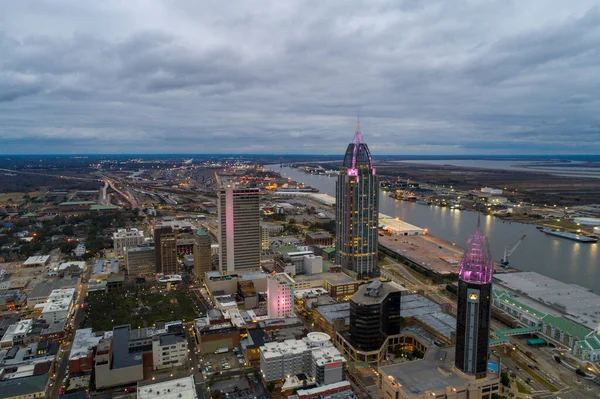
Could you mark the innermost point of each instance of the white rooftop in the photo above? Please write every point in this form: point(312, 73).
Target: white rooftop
point(572, 300)
point(133, 232)
point(397, 225)
point(36, 260)
point(180, 388)
point(285, 348)
point(19, 328)
point(85, 340)
point(80, 265)
point(59, 300)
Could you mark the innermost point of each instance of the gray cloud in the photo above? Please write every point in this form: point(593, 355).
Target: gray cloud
point(185, 76)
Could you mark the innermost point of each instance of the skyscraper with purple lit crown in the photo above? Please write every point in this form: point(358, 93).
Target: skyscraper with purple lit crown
point(357, 211)
point(474, 306)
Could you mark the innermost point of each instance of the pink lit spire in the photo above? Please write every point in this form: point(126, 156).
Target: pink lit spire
point(357, 136)
point(476, 265)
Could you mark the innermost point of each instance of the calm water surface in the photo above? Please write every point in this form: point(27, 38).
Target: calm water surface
point(561, 259)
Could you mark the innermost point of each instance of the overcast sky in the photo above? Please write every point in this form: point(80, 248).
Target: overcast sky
point(199, 76)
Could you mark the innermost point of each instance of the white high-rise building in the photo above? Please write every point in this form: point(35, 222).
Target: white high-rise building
point(239, 229)
point(127, 238)
point(313, 355)
point(280, 296)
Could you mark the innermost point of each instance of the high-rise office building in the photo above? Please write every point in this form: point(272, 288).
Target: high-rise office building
point(474, 306)
point(375, 314)
point(239, 229)
point(165, 248)
point(357, 211)
point(202, 254)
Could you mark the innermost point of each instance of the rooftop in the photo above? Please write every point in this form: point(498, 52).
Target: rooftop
point(103, 207)
point(369, 294)
point(416, 305)
point(121, 356)
point(335, 311)
point(396, 225)
point(55, 327)
point(68, 203)
point(180, 388)
point(332, 278)
point(36, 260)
point(434, 373)
point(570, 300)
point(23, 387)
point(85, 340)
point(81, 265)
point(59, 300)
point(327, 355)
point(44, 288)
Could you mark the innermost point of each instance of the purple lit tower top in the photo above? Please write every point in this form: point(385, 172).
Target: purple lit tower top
point(358, 155)
point(476, 265)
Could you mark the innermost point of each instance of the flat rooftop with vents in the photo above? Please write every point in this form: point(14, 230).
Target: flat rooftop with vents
point(180, 388)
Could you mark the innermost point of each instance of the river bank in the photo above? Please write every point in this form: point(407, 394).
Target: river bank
point(561, 259)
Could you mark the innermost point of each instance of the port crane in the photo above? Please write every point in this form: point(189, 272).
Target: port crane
point(508, 252)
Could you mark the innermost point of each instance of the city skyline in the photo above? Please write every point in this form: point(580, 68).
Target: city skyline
point(181, 77)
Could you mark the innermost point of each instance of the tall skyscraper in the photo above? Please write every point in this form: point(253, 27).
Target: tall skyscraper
point(165, 248)
point(202, 254)
point(357, 211)
point(239, 229)
point(474, 306)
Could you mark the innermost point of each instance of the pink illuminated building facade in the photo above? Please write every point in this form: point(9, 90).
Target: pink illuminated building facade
point(280, 296)
point(474, 306)
point(357, 211)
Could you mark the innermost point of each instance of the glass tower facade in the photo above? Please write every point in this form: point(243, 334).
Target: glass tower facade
point(357, 211)
point(474, 306)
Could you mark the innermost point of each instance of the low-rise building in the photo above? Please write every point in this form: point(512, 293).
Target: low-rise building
point(81, 357)
point(35, 261)
point(179, 388)
point(435, 376)
point(169, 350)
point(54, 332)
point(16, 334)
point(212, 336)
point(59, 305)
point(338, 390)
point(339, 285)
point(319, 238)
point(42, 290)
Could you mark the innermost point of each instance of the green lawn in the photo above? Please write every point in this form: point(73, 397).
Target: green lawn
point(522, 388)
point(140, 308)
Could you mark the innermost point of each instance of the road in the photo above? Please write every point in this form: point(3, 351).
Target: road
point(65, 349)
point(103, 197)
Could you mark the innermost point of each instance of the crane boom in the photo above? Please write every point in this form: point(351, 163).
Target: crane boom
point(516, 245)
point(508, 252)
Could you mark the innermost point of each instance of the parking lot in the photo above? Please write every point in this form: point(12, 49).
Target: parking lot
point(212, 363)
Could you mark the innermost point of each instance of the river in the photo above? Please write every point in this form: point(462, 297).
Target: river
point(559, 258)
